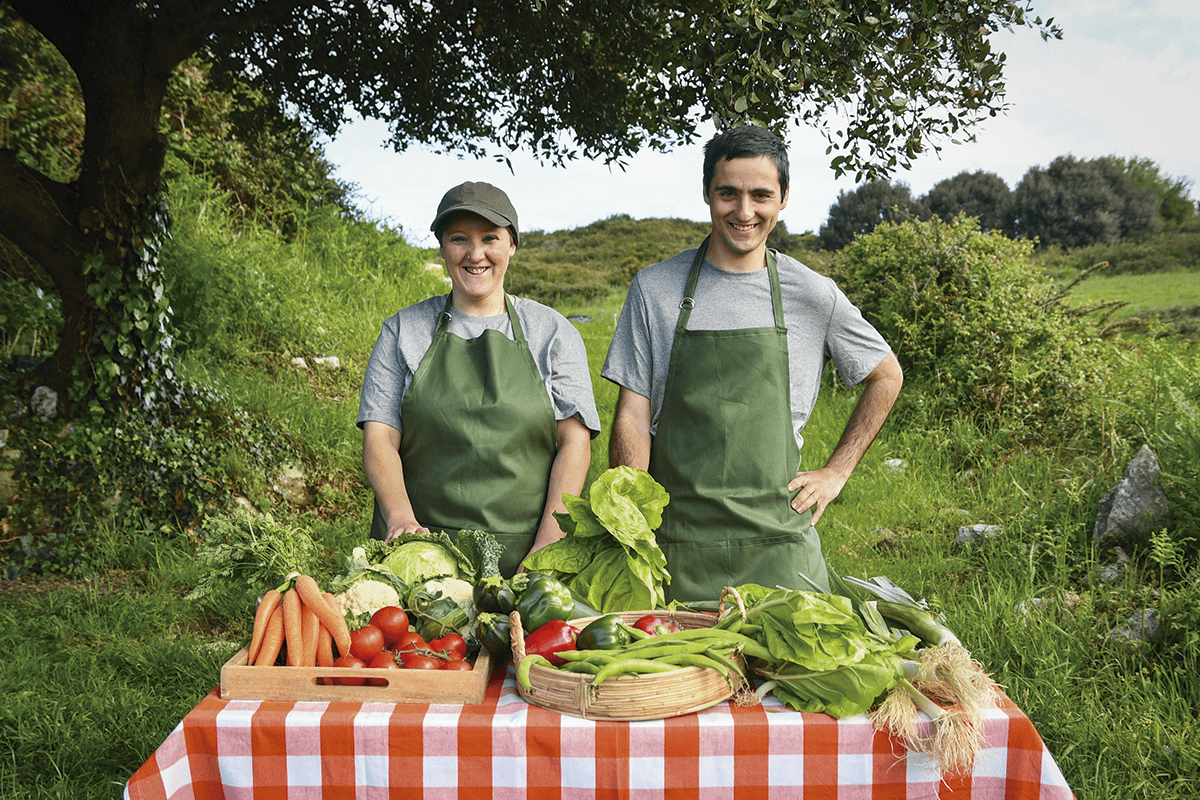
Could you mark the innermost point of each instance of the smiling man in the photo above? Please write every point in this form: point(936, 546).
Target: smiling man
point(719, 353)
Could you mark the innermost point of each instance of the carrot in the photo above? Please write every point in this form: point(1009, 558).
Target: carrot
point(272, 641)
point(311, 625)
point(324, 647)
point(293, 627)
point(262, 615)
point(329, 612)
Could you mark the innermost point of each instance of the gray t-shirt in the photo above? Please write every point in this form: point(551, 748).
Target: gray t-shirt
point(557, 348)
point(822, 325)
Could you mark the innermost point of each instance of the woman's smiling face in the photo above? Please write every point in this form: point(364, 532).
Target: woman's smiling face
point(476, 253)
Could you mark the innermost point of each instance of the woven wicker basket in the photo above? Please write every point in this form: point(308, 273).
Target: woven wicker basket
point(626, 697)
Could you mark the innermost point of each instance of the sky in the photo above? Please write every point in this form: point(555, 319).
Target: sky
point(1122, 81)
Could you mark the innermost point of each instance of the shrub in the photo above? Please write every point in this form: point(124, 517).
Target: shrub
point(978, 330)
point(136, 470)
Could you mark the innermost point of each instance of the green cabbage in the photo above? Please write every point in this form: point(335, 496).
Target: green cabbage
point(416, 562)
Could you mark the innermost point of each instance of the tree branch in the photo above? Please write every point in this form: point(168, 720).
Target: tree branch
point(37, 215)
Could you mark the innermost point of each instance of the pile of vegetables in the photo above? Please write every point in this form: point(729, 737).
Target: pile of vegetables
point(407, 603)
point(838, 654)
point(607, 647)
point(430, 574)
point(610, 557)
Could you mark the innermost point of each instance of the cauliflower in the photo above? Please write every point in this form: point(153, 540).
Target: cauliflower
point(367, 596)
point(458, 590)
point(438, 607)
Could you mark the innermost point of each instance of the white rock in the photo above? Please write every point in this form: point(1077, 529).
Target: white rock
point(328, 362)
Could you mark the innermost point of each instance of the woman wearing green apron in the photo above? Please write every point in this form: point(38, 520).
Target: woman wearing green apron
point(477, 409)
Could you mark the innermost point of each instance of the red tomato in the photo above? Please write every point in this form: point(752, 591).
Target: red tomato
point(451, 644)
point(410, 641)
point(457, 664)
point(382, 661)
point(349, 661)
point(366, 642)
point(414, 660)
point(392, 622)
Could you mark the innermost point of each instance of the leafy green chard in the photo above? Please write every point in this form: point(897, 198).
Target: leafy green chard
point(822, 656)
point(610, 557)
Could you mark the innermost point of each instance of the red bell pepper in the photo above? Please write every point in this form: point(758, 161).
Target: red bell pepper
point(655, 626)
point(550, 639)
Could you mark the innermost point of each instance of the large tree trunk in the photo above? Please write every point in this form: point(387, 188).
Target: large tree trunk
point(86, 233)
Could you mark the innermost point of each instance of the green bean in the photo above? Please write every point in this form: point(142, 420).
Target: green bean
point(527, 664)
point(585, 667)
point(635, 634)
point(631, 665)
point(691, 635)
point(699, 660)
point(727, 662)
point(587, 655)
point(657, 649)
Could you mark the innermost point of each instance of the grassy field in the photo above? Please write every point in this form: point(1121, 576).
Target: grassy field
point(1166, 294)
point(99, 670)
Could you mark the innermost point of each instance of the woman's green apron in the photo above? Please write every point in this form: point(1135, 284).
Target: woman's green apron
point(479, 438)
point(724, 451)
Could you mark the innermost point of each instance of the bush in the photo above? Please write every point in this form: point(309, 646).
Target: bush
point(135, 471)
point(978, 330)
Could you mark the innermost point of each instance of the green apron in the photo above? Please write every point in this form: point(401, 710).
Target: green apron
point(479, 438)
point(724, 451)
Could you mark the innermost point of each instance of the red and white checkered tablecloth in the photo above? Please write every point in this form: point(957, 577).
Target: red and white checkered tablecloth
point(505, 748)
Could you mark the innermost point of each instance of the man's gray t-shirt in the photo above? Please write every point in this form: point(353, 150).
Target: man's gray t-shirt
point(822, 325)
point(556, 345)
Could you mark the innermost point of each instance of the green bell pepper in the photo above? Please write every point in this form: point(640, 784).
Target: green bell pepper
point(606, 633)
point(544, 599)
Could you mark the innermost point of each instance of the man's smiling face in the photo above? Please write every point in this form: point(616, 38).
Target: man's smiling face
point(744, 201)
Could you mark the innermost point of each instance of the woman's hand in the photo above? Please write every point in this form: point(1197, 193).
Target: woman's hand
point(409, 526)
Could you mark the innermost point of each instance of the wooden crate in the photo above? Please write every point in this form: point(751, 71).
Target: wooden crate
point(240, 681)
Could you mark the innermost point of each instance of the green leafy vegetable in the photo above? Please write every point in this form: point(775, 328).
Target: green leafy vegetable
point(610, 558)
point(245, 554)
point(417, 557)
point(823, 658)
point(439, 607)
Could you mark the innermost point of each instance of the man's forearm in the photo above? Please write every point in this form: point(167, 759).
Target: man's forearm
point(629, 443)
point(871, 411)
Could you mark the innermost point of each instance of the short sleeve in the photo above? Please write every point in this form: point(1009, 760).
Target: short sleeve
point(630, 362)
point(386, 380)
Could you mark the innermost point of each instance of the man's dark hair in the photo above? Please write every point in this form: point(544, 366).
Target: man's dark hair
point(747, 141)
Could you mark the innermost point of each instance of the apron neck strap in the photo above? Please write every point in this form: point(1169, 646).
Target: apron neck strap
point(689, 293)
point(510, 307)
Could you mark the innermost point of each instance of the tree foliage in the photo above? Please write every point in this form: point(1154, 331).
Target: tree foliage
point(858, 211)
point(982, 195)
point(599, 80)
point(1073, 203)
point(1175, 205)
